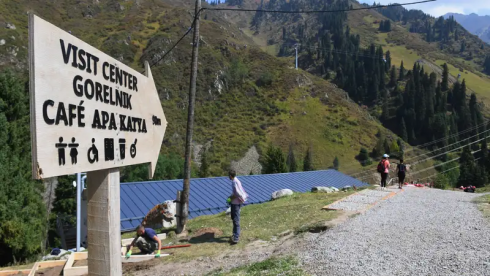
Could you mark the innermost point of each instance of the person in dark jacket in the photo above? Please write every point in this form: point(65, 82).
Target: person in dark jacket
point(401, 170)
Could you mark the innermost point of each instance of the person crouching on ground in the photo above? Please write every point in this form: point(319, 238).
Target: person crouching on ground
point(146, 240)
point(238, 197)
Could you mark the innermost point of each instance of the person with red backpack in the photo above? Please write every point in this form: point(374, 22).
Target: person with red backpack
point(384, 169)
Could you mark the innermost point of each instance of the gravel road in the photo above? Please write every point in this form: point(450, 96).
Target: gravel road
point(417, 232)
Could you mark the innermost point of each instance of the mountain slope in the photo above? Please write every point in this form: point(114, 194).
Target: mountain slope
point(476, 24)
point(245, 96)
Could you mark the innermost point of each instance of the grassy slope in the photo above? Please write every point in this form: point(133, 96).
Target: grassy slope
point(410, 47)
point(258, 222)
point(234, 119)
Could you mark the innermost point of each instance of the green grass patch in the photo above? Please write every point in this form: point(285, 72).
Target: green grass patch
point(483, 203)
point(265, 222)
point(270, 267)
point(481, 85)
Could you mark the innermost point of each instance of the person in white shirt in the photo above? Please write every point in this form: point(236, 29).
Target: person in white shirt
point(238, 197)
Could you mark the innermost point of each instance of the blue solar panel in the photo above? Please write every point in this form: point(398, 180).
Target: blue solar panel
point(137, 198)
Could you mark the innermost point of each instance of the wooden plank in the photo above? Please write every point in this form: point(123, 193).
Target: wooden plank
point(47, 264)
point(15, 272)
point(33, 269)
point(76, 271)
point(141, 258)
point(103, 223)
point(80, 256)
point(70, 261)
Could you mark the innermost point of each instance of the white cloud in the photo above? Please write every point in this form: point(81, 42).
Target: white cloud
point(441, 7)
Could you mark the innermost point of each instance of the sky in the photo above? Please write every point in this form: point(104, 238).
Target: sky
point(441, 7)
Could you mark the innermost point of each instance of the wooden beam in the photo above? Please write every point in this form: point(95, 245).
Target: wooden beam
point(15, 272)
point(33, 270)
point(77, 256)
point(141, 258)
point(76, 271)
point(47, 264)
point(103, 223)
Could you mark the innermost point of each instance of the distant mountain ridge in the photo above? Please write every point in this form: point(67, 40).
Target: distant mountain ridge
point(474, 23)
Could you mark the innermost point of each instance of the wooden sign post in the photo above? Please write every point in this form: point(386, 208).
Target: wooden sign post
point(91, 113)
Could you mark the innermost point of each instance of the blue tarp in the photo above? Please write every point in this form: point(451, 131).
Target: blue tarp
point(208, 195)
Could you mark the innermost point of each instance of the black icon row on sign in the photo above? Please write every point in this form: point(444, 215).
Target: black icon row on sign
point(93, 152)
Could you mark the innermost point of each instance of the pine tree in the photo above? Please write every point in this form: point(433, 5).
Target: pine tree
point(402, 72)
point(364, 157)
point(467, 168)
point(308, 161)
point(274, 161)
point(336, 163)
point(463, 46)
point(445, 78)
point(386, 146)
point(395, 149)
point(291, 160)
point(403, 130)
point(392, 77)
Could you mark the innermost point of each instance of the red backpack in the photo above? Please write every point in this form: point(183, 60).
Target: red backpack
point(381, 166)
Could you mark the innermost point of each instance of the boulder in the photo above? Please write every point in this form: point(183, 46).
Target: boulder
point(228, 211)
point(2, 42)
point(321, 190)
point(346, 188)
point(281, 193)
point(334, 189)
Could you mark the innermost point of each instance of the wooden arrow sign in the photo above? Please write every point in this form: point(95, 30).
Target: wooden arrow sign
point(88, 111)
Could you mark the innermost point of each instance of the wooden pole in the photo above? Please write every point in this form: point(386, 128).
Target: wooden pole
point(190, 121)
point(103, 223)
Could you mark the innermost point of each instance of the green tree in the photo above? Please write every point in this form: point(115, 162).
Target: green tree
point(395, 149)
point(402, 72)
point(64, 206)
point(441, 182)
point(364, 157)
point(467, 168)
point(23, 220)
point(403, 130)
point(336, 163)
point(291, 160)
point(392, 77)
point(274, 161)
point(236, 74)
point(308, 161)
point(445, 78)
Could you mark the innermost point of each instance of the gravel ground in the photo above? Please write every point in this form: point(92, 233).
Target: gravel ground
point(417, 232)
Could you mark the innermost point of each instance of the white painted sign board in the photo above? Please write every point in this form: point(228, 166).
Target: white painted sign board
point(88, 111)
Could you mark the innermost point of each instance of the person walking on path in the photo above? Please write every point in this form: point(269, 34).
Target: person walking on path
point(401, 169)
point(146, 240)
point(384, 169)
point(237, 198)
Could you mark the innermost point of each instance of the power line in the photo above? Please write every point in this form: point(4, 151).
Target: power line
point(274, 11)
point(427, 144)
point(322, 11)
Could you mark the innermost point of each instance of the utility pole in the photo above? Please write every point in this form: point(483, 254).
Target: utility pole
point(296, 48)
point(184, 199)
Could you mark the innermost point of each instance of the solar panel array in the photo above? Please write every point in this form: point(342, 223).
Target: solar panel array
point(208, 195)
